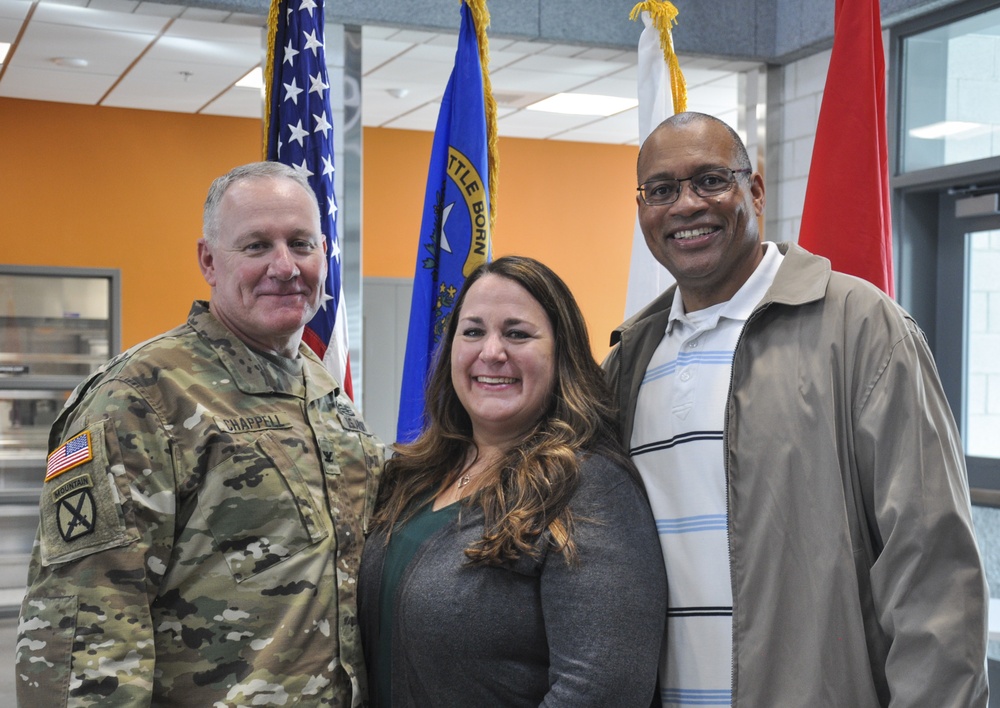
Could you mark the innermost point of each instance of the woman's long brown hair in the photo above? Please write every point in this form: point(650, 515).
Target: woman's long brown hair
point(534, 481)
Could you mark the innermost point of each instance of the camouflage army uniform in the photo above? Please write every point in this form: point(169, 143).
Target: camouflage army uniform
point(205, 551)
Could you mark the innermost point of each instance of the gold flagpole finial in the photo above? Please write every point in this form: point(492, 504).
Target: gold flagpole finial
point(664, 16)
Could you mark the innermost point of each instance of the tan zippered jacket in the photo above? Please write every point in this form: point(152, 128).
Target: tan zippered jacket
point(855, 572)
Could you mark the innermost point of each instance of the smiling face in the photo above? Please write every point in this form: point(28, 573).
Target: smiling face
point(502, 360)
point(267, 264)
point(710, 245)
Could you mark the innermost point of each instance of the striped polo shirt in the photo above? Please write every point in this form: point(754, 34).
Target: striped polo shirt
point(677, 446)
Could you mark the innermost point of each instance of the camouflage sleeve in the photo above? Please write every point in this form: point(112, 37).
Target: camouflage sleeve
point(106, 531)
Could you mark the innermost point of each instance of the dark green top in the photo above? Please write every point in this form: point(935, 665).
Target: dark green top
point(406, 539)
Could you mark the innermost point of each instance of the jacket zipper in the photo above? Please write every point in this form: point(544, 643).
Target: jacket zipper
point(729, 526)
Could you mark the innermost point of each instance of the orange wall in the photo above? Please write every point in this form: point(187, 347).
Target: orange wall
point(586, 238)
point(117, 188)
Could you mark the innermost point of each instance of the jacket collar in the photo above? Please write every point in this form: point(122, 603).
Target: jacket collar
point(802, 278)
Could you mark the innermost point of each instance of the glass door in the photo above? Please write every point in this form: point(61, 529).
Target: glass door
point(968, 319)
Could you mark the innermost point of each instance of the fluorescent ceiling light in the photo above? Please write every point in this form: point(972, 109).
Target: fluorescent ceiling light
point(584, 104)
point(254, 79)
point(4, 48)
point(946, 129)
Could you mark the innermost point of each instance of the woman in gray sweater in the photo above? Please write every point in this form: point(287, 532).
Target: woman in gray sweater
point(514, 559)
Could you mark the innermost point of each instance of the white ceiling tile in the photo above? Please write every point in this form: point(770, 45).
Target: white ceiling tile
point(445, 40)
point(709, 99)
point(195, 52)
point(162, 85)
point(238, 103)
point(245, 18)
point(413, 36)
point(157, 9)
point(437, 53)
point(55, 85)
point(524, 47)
point(569, 65)
point(205, 14)
point(114, 5)
point(377, 32)
point(106, 51)
point(594, 134)
point(9, 29)
point(537, 124)
point(376, 52)
point(498, 44)
point(617, 87)
point(516, 80)
point(14, 9)
point(603, 54)
point(216, 32)
point(404, 73)
point(83, 18)
point(419, 119)
point(621, 129)
point(560, 50)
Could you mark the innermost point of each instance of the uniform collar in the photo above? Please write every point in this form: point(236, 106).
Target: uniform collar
point(252, 372)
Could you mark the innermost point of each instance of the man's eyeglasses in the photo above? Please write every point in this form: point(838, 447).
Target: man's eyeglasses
point(710, 183)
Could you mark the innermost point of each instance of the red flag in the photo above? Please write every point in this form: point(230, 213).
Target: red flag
point(846, 215)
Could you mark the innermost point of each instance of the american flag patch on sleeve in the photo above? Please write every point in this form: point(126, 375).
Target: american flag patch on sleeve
point(71, 453)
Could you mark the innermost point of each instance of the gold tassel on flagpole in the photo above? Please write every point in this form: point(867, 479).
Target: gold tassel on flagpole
point(664, 16)
point(481, 18)
point(272, 30)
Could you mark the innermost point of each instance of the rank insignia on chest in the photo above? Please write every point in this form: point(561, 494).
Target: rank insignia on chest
point(70, 454)
point(76, 513)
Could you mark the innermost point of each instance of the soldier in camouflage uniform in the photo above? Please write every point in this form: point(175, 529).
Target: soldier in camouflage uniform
point(203, 511)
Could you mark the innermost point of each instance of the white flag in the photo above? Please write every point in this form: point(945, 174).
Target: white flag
point(646, 277)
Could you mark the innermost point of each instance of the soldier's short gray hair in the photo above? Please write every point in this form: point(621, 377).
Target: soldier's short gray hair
point(253, 170)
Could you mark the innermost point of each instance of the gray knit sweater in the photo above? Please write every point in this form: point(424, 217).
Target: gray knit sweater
point(536, 633)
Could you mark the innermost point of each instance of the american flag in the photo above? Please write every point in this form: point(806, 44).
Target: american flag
point(300, 134)
point(71, 453)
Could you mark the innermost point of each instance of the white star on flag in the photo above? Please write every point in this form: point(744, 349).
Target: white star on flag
point(322, 126)
point(303, 169)
point(292, 91)
point(312, 42)
point(298, 133)
point(317, 85)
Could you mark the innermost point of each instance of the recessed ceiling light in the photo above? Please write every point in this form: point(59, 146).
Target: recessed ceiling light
point(398, 92)
point(73, 62)
point(946, 129)
point(4, 48)
point(254, 79)
point(584, 104)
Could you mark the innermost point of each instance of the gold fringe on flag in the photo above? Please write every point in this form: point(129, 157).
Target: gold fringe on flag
point(664, 16)
point(272, 30)
point(481, 17)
